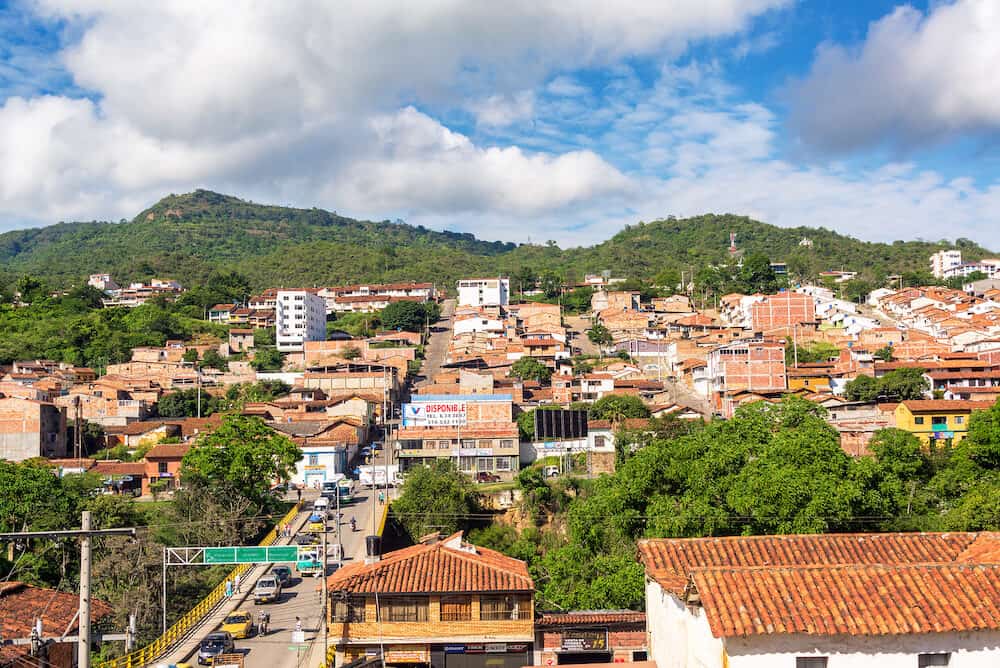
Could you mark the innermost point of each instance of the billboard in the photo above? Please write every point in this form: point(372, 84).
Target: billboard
point(435, 414)
point(560, 424)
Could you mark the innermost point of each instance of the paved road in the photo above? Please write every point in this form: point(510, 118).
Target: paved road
point(578, 327)
point(302, 599)
point(437, 348)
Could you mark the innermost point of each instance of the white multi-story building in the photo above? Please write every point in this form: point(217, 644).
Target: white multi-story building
point(484, 292)
point(989, 267)
point(944, 260)
point(300, 316)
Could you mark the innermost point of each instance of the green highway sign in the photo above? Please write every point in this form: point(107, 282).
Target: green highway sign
point(251, 555)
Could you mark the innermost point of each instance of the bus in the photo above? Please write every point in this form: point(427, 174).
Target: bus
point(345, 490)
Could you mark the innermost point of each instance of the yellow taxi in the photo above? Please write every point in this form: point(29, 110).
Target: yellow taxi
point(316, 524)
point(239, 624)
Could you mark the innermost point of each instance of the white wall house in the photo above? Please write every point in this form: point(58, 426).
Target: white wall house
point(824, 601)
point(300, 316)
point(944, 260)
point(484, 292)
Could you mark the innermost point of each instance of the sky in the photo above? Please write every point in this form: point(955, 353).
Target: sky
point(522, 120)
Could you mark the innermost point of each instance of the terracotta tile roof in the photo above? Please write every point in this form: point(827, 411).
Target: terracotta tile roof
point(120, 468)
point(850, 600)
point(21, 603)
point(168, 451)
point(669, 561)
point(583, 617)
point(450, 565)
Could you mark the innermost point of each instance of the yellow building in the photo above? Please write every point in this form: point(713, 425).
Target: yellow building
point(443, 603)
point(937, 420)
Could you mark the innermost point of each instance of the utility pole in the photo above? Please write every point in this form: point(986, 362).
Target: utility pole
point(85, 533)
point(83, 649)
point(326, 626)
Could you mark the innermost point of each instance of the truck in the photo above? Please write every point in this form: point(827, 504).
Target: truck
point(374, 476)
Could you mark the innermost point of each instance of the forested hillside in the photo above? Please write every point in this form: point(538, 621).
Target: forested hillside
point(188, 237)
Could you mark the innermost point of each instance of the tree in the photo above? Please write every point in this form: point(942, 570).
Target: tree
point(190, 356)
point(904, 384)
point(212, 359)
point(181, 404)
point(406, 316)
point(618, 407)
point(756, 274)
point(266, 359)
point(435, 498)
point(243, 457)
point(862, 388)
point(982, 443)
point(668, 279)
point(350, 353)
point(857, 290)
point(884, 353)
point(599, 335)
point(528, 368)
point(550, 284)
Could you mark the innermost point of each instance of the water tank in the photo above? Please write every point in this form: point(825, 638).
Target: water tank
point(373, 546)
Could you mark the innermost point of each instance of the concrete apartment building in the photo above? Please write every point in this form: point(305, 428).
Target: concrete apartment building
point(30, 429)
point(745, 366)
point(476, 431)
point(300, 316)
point(484, 292)
point(944, 260)
point(443, 603)
point(782, 310)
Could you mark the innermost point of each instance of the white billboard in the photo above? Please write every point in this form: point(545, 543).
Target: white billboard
point(435, 414)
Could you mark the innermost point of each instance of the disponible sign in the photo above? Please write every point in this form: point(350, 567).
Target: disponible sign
point(435, 414)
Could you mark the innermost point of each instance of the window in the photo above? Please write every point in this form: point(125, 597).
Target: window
point(313, 460)
point(941, 659)
point(959, 419)
point(810, 662)
point(939, 420)
point(467, 464)
point(456, 608)
point(404, 609)
point(468, 443)
point(499, 608)
point(503, 463)
point(484, 464)
point(918, 420)
point(351, 609)
point(598, 441)
point(162, 467)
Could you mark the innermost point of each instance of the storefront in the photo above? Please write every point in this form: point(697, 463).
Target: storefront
point(463, 655)
point(584, 646)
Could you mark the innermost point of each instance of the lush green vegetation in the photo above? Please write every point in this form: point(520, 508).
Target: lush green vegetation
point(74, 328)
point(435, 498)
point(409, 316)
point(224, 502)
point(202, 237)
point(897, 385)
point(771, 469)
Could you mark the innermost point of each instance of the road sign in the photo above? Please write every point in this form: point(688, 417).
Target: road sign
point(251, 555)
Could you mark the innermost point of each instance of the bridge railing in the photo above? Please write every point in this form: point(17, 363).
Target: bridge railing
point(193, 617)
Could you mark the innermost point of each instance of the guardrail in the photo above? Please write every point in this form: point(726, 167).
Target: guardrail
point(192, 617)
point(329, 659)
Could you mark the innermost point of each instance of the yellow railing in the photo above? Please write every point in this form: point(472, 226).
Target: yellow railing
point(330, 658)
point(385, 515)
point(192, 617)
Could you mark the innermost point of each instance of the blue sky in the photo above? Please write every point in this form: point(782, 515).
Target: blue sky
point(562, 120)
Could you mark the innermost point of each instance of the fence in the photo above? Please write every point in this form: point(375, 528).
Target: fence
point(192, 617)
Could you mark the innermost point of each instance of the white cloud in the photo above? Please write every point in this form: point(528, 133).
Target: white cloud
point(566, 86)
point(916, 79)
point(499, 111)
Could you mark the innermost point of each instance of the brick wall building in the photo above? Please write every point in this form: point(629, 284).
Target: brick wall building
point(590, 636)
point(30, 428)
point(781, 310)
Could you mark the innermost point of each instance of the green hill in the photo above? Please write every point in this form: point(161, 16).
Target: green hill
point(187, 237)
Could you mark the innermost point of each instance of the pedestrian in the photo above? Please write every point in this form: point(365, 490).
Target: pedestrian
point(298, 624)
point(229, 588)
point(298, 494)
point(239, 584)
point(381, 497)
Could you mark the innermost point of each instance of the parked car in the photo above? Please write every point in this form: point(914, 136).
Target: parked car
point(306, 539)
point(267, 590)
point(238, 624)
point(284, 575)
point(214, 644)
point(486, 476)
point(551, 471)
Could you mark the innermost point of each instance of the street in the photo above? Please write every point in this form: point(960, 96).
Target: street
point(437, 347)
point(301, 599)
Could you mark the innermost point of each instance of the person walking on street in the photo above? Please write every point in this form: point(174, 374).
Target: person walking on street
point(298, 624)
point(229, 588)
point(298, 494)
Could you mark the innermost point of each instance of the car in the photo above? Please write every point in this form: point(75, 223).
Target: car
point(316, 523)
point(214, 644)
point(486, 476)
point(284, 575)
point(239, 624)
point(306, 539)
point(329, 490)
point(267, 590)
